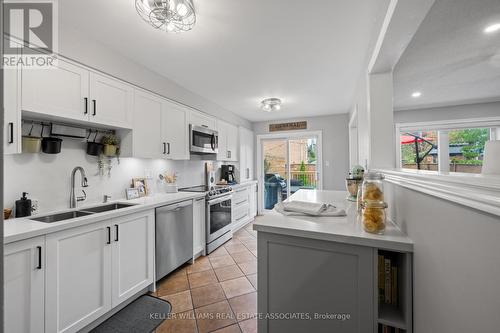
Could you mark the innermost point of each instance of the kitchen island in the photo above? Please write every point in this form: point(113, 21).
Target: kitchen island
point(322, 273)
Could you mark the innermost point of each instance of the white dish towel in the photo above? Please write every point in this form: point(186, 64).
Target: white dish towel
point(304, 208)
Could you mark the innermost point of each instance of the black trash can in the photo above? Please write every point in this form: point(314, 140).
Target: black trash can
point(274, 185)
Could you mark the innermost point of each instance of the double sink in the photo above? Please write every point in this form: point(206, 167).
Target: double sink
point(79, 213)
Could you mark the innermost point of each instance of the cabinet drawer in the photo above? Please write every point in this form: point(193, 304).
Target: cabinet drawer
point(240, 212)
point(240, 195)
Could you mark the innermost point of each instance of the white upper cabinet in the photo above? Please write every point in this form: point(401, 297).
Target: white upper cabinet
point(111, 101)
point(147, 130)
point(12, 113)
point(24, 276)
point(246, 143)
point(175, 131)
point(228, 141)
point(160, 128)
point(132, 255)
point(62, 91)
point(222, 154)
point(232, 142)
point(73, 92)
point(200, 119)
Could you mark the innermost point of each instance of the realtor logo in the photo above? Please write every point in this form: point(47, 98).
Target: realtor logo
point(30, 29)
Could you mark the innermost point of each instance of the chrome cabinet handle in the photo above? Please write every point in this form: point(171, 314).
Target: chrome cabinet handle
point(168, 148)
point(95, 107)
point(164, 148)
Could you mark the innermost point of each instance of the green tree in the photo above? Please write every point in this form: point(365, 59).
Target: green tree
point(302, 174)
point(311, 153)
point(267, 165)
point(472, 139)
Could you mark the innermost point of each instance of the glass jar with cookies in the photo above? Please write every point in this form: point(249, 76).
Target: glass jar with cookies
point(373, 187)
point(373, 216)
point(372, 203)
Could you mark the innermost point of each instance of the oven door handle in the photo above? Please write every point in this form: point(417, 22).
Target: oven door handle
point(219, 200)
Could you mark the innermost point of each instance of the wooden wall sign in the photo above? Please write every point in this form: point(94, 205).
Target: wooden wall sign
point(296, 125)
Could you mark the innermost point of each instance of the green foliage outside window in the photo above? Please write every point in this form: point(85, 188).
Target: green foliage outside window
point(303, 175)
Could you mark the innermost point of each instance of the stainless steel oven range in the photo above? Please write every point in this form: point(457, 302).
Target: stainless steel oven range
point(219, 219)
point(219, 214)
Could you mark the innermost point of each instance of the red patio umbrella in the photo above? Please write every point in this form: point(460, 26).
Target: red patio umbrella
point(408, 139)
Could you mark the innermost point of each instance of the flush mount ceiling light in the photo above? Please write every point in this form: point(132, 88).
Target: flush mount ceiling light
point(271, 104)
point(168, 15)
point(492, 28)
point(416, 94)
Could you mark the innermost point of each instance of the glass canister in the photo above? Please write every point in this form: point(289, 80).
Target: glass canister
point(373, 187)
point(373, 216)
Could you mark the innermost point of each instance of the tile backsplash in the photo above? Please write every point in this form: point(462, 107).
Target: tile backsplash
point(47, 177)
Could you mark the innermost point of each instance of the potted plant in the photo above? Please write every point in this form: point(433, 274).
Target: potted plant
point(110, 143)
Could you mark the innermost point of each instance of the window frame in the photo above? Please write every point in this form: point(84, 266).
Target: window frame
point(443, 127)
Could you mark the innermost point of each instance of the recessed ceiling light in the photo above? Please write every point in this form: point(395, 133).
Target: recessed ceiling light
point(492, 28)
point(271, 104)
point(416, 94)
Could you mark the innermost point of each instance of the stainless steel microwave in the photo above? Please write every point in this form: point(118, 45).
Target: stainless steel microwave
point(203, 140)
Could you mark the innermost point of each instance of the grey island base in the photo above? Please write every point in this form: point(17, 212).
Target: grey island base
point(325, 274)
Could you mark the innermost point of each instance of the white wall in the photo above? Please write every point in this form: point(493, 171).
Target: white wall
point(47, 177)
point(456, 262)
point(480, 110)
point(361, 104)
point(335, 130)
point(381, 121)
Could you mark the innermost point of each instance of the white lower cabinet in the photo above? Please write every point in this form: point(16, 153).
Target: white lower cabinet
point(199, 240)
point(132, 255)
point(24, 285)
point(78, 288)
point(93, 268)
point(244, 201)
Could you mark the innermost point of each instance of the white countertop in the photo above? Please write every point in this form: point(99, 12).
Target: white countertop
point(347, 229)
point(23, 228)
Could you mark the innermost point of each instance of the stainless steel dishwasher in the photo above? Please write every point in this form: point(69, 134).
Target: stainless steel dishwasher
point(174, 237)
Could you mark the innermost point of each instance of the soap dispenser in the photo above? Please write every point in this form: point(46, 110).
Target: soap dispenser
point(23, 206)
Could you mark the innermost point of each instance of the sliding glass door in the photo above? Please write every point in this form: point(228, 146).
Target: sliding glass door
point(288, 164)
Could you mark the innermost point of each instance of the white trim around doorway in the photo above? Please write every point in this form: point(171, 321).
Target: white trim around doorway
point(285, 135)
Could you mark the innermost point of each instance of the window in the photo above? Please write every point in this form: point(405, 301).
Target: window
point(466, 149)
point(445, 147)
point(419, 150)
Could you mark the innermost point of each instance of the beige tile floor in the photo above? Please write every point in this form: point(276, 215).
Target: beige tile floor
point(218, 292)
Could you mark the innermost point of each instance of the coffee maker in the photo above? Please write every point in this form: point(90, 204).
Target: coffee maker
point(227, 173)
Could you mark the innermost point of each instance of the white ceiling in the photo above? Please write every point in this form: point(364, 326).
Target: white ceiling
point(450, 60)
point(308, 53)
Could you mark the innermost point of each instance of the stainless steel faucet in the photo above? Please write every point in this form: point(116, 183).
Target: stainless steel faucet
point(73, 198)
